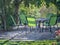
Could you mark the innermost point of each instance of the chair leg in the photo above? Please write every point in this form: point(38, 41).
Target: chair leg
point(57, 27)
point(17, 27)
point(37, 28)
point(30, 29)
point(50, 29)
point(54, 28)
point(43, 27)
point(46, 28)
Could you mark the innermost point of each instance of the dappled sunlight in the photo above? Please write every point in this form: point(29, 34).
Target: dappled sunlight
point(29, 22)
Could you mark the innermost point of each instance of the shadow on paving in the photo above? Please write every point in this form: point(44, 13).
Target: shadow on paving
point(27, 35)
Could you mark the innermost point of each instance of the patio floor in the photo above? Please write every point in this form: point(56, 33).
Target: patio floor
point(24, 35)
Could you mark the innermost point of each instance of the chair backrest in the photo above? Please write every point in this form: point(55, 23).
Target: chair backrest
point(10, 21)
point(31, 21)
point(13, 20)
point(23, 19)
point(49, 15)
point(53, 20)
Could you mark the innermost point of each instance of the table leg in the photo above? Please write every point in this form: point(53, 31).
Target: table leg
point(42, 28)
point(38, 24)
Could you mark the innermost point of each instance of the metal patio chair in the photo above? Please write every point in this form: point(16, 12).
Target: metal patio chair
point(23, 19)
point(31, 23)
point(10, 22)
point(52, 22)
point(23, 22)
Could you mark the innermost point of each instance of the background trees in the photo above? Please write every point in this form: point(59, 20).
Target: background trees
point(29, 7)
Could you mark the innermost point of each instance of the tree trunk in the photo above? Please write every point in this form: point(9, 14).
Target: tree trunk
point(16, 4)
point(3, 14)
point(16, 13)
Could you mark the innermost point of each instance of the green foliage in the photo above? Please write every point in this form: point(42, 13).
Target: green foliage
point(41, 42)
point(33, 2)
point(58, 5)
point(30, 7)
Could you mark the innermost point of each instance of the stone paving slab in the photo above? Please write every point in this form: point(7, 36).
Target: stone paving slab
point(8, 35)
point(26, 35)
point(35, 36)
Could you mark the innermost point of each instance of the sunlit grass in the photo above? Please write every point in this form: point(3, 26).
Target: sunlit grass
point(41, 42)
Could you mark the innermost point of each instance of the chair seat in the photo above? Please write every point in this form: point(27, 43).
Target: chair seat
point(46, 24)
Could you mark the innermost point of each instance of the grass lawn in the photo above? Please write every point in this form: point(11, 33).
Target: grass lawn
point(41, 42)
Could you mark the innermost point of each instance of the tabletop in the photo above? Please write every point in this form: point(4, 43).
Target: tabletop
point(42, 19)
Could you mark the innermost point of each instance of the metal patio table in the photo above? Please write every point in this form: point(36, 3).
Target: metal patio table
point(39, 21)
